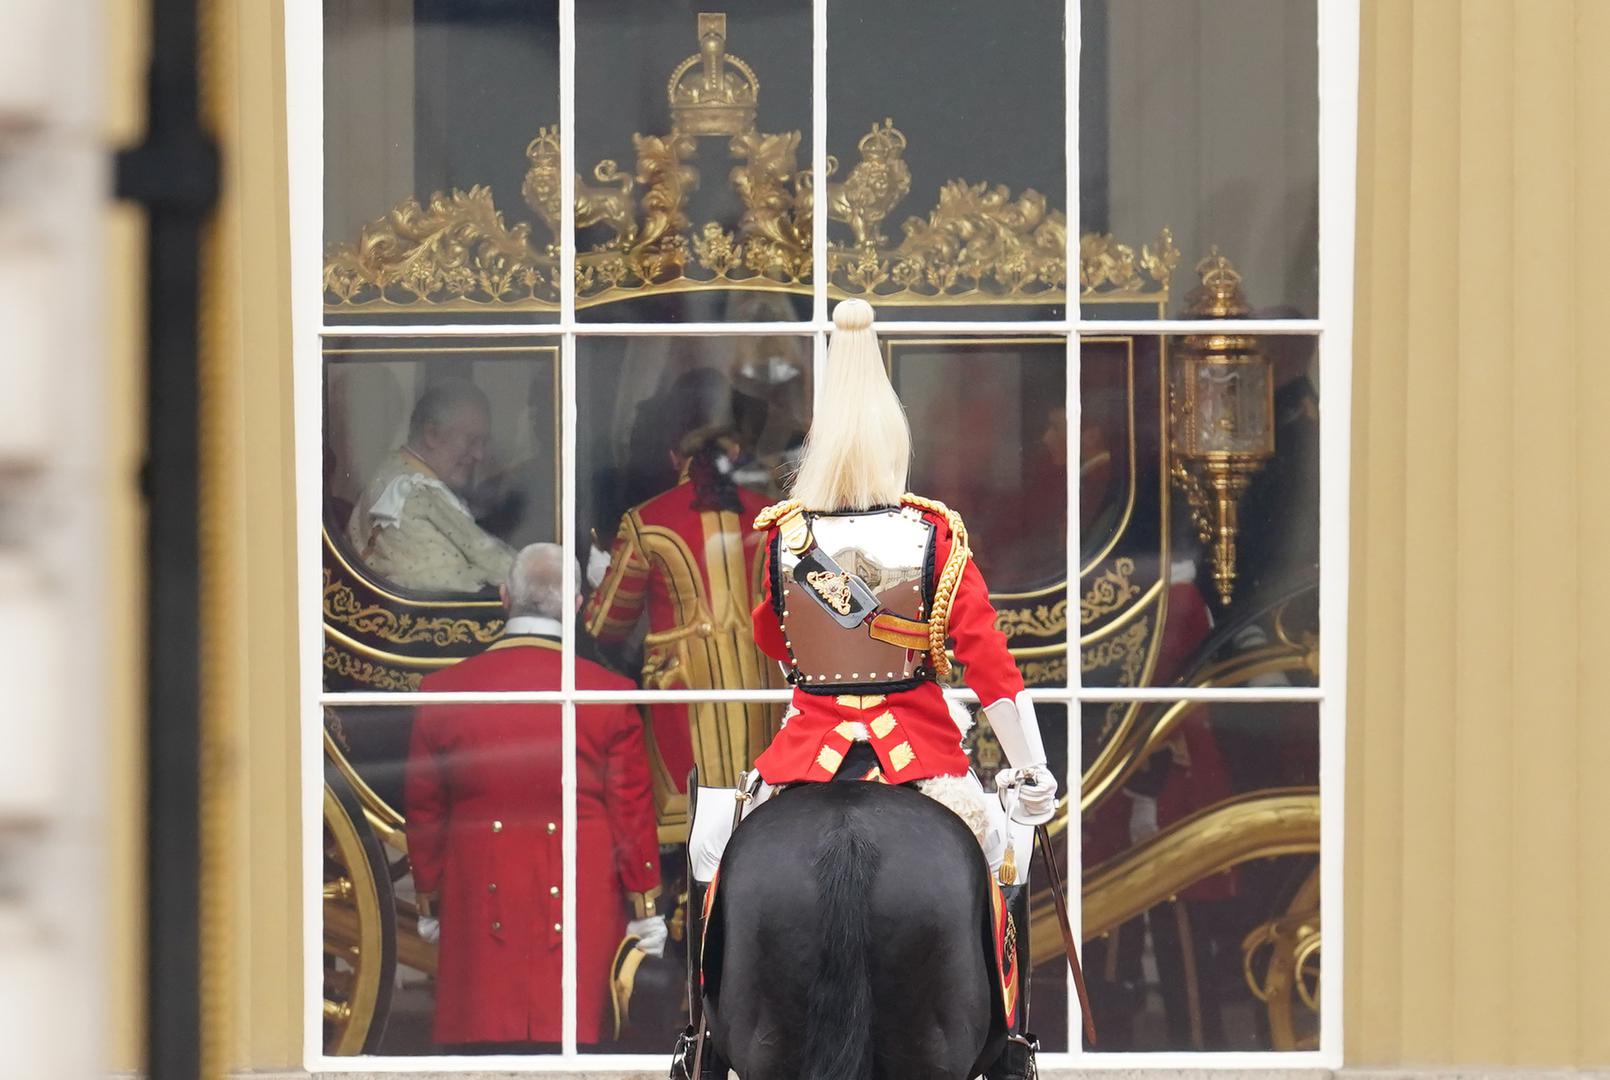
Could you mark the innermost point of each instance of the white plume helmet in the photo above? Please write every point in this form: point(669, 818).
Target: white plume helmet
point(858, 452)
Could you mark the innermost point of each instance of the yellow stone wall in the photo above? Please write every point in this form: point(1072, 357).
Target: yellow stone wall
point(1478, 850)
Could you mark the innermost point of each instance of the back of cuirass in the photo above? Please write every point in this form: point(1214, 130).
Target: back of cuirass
point(892, 551)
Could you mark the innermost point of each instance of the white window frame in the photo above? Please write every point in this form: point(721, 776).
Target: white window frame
point(1338, 22)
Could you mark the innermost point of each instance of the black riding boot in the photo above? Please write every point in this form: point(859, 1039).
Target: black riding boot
point(1017, 1057)
point(687, 1043)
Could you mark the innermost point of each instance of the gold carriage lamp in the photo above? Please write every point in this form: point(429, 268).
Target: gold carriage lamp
point(1221, 412)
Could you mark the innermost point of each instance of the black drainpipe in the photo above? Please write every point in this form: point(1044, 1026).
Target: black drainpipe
point(173, 173)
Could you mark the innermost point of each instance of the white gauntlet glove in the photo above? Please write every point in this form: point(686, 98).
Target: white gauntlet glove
point(650, 934)
point(1027, 789)
point(1034, 794)
point(429, 929)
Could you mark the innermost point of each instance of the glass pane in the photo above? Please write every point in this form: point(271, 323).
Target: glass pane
point(1201, 875)
point(693, 161)
point(444, 875)
point(1010, 486)
point(1180, 585)
point(441, 460)
point(946, 123)
point(690, 438)
point(1199, 133)
point(439, 150)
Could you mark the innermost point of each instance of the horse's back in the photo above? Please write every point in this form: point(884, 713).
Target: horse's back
point(925, 933)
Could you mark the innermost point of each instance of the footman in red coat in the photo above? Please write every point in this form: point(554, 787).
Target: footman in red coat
point(485, 832)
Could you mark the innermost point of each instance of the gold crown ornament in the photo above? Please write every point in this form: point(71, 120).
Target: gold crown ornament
point(713, 92)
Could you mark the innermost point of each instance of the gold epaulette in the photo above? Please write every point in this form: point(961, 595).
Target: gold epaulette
point(769, 516)
point(950, 577)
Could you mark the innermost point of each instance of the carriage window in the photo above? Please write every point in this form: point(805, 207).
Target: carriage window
point(441, 462)
point(544, 443)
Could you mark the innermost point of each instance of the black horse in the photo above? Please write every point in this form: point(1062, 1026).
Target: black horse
point(851, 938)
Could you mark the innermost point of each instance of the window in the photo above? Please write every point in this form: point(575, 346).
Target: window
point(1110, 246)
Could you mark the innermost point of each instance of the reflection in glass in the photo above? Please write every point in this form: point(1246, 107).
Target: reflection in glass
point(945, 138)
point(473, 922)
point(1179, 587)
point(1203, 117)
point(691, 439)
point(1010, 484)
point(1196, 909)
point(441, 461)
point(433, 190)
point(693, 195)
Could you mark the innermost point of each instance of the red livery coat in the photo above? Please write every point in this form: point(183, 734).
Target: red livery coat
point(485, 813)
point(912, 730)
point(695, 573)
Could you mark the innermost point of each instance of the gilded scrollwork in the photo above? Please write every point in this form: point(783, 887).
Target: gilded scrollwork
point(1106, 266)
point(981, 242)
point(343, 608)
point(1109, 592)
point(1041, 620)
point(1125, 650)
point(1052, 671)
point(379, 676)
point(455, 249)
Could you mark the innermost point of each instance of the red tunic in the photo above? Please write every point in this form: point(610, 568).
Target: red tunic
point(696, 574)
point(484, 813)
point(912, 730)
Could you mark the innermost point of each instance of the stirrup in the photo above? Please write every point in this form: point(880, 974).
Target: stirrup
point(682, 1056)
point(1017, 1059)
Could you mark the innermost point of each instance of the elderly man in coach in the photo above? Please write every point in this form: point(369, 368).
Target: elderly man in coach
point(485, 828)
point(411, 525)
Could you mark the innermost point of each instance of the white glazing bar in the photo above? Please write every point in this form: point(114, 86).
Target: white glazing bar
point(567, 516)
point(1338, 157)
point(819, 161)
point(1273, 1065)
point(886, 326)
point(1226, 694)
point(1094, 327)
point(611, 697)
point(1072, 38)
point(304, 104)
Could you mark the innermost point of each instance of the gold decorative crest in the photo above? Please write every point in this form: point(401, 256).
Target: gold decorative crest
point(834, 588)
point(981, 244)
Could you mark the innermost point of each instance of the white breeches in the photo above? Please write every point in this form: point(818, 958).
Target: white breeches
point(964, 795)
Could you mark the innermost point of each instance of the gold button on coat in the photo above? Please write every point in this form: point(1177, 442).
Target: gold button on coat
point(553, 890)
point(551, 828)
point(496, 926)
point(491, 886)
point(497, 826)
point(558, 929)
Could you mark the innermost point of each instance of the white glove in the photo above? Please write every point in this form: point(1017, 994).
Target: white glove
point(429, 929)
point(597, 566)
point(1142, 817)
point(1029, 794)
point(650, 934)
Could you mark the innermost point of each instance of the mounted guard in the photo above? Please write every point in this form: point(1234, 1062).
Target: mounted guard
point(803, 958)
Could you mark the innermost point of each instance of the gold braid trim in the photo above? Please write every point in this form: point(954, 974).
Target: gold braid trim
point(950, 577)
point(769, 516)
